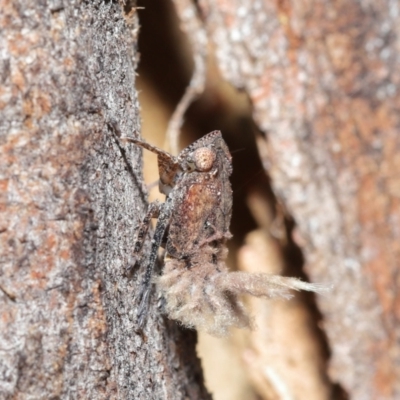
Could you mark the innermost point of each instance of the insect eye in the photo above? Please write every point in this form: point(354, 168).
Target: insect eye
point(203, 159)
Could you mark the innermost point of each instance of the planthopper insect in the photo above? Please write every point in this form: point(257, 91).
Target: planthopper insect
point(193, 226)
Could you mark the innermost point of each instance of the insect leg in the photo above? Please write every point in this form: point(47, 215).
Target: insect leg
point(168, 165)
point(152, 212)
point(162, 223)
point(150, 147)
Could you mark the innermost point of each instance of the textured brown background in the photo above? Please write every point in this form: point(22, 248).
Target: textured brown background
point(322, 79)
point(71, 199)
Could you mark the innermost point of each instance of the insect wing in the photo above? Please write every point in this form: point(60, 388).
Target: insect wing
point(192, 219)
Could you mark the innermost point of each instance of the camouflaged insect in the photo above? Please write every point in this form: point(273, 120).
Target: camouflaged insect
point(193, 226)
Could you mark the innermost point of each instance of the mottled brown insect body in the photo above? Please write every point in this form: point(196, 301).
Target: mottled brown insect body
point(203, 200)
point(193, 225)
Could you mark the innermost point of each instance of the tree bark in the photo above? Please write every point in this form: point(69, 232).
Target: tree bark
point(323, 78)
point(71, 199)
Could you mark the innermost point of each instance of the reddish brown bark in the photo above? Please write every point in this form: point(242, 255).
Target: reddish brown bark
point(71, 198)
point(323, 78)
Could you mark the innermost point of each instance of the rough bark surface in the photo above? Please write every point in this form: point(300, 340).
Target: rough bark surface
point(71, 198)
point(323, 78)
